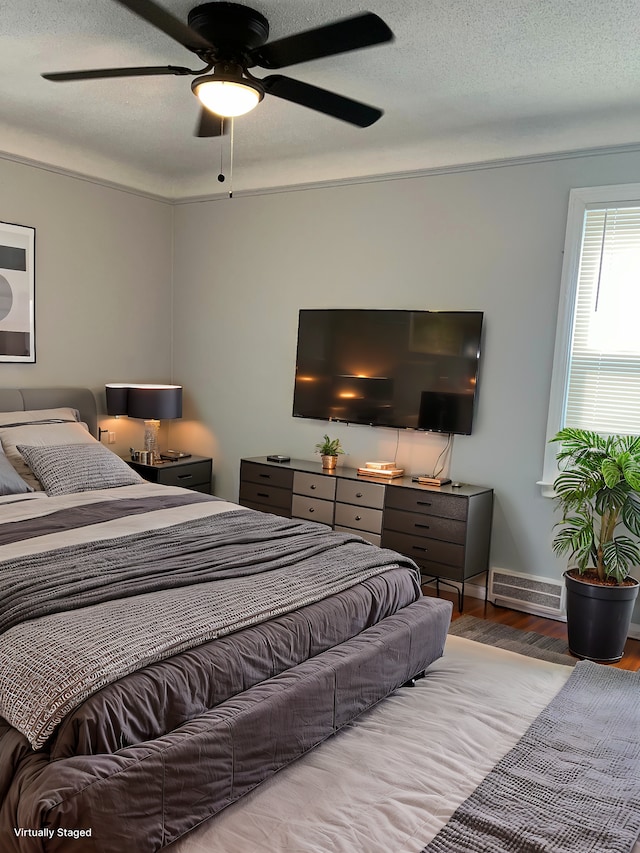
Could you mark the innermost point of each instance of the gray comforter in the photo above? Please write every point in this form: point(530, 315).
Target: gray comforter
point(123, 603)
point(234, 544)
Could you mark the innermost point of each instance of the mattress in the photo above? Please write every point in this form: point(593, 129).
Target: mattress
point(163, 653)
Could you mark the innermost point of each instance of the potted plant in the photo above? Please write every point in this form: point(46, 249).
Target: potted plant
point(598, 492)
point(329, 448)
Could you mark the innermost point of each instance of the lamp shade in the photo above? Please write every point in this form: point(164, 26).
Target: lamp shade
point(148, 402)
point(117, 399)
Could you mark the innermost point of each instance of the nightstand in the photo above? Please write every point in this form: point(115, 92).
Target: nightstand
point(193, 473)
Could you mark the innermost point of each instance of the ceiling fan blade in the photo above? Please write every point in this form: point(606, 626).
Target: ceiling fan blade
point(321, 100)
point(167, 23)
point(353, 33)
point(210, 124)
point(98, 73)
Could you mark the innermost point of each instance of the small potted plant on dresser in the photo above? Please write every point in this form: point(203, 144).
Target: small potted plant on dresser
point(329, 449)
point(598, 492)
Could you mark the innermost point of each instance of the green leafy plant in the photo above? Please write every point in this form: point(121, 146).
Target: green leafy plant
point(329, 446)
point(598, 491)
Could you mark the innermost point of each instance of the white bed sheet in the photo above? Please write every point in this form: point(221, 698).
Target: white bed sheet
point(27, 496)
point(38, 505)
point(389, 782)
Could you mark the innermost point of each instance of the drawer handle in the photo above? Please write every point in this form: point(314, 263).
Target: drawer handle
point(265, 476)
point(423, 526)
point(358, 518)
point(420, 548)
point(423, 503)
point(185, 476)
point(312, 487)
point(358, 494)
point(311, 509)
point(263, 494)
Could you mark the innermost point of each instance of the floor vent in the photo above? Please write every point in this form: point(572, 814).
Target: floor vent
point(541, 596)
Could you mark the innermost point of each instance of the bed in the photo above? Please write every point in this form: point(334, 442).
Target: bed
point(164, 652)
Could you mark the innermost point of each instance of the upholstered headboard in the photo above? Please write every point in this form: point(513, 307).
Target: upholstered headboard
point(23, 399)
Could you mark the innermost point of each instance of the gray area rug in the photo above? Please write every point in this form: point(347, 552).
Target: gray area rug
point(571, 784)
point(523, 642)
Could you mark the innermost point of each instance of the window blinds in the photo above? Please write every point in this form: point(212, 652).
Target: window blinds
point(604, 364)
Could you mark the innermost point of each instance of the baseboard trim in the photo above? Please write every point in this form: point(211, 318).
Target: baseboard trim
point(477, 589)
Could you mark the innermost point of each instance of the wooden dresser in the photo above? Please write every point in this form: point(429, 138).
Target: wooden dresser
point(445, 530)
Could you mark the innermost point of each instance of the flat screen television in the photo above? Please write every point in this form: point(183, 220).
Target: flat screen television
point(391, 368)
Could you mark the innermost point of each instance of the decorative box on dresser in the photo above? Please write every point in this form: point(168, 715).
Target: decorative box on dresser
point(446, 529)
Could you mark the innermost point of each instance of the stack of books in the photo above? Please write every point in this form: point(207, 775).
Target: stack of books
point(388, 470)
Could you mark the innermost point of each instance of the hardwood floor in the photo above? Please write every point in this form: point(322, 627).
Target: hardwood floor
point(525, 622)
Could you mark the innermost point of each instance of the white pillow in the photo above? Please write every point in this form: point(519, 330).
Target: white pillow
point(68, 468)
point(64, 413)
point(40, 435)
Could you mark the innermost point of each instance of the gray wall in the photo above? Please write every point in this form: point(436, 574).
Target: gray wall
point(103, 284)
point(240, 269)
point(488, 239)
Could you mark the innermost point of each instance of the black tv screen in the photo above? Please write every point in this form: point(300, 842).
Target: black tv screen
point(392, 368)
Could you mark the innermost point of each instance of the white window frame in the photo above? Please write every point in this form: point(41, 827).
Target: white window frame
point(580, 200)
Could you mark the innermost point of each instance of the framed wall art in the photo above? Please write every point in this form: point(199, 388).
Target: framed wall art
point(17, 293)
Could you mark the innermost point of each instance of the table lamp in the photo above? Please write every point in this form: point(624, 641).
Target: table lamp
point(151, 403)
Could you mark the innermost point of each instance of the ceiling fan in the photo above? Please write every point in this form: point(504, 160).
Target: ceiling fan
point(230, 39)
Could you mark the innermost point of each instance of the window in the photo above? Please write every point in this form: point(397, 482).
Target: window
point(596, 370)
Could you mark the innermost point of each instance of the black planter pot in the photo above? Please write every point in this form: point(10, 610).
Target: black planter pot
point(598, 618)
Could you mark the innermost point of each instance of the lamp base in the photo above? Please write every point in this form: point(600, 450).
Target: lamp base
point(151, 431)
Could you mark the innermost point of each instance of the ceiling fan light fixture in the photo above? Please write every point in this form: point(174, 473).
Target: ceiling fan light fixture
point(227, 96)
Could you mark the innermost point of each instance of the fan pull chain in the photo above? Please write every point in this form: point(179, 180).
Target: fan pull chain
point(221, 176)
point(231, 159)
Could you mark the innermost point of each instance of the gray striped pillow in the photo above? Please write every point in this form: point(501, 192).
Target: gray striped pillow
point(66, 468)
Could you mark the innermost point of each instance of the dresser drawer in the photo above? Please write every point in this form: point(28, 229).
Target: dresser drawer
point(312, 509)
point(427, 502)
point(196, 473)
point(421, 548)
point(315, 485)
point(433, 526)
point(362, 494)
point(265, 495)
point(429, 569)
point(268, 474)
point(272, 510)
point(359, 517)
point(374, 538)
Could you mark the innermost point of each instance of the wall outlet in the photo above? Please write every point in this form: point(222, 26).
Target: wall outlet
point(112, 437)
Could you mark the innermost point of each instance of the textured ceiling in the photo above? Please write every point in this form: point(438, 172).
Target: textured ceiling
point(464, 81)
